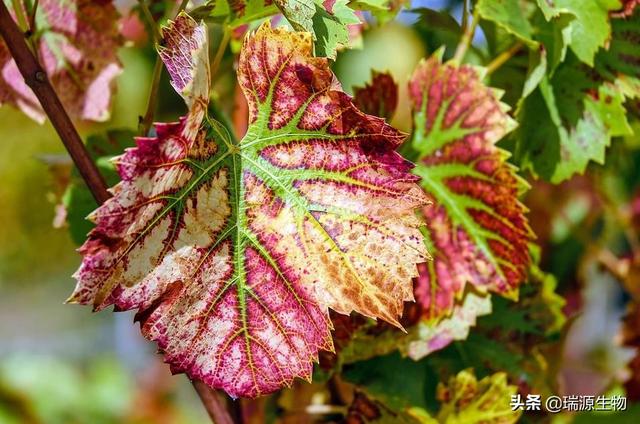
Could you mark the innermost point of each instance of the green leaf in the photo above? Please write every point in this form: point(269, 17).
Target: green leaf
point(512, 15)
point(371, 5)
point(555, 35)
point(590, 30)
point(568, 122)
point(537, 70)
point(438, 29)
point(299, 13)
point(385, 377)
point(234, 13)
point(330, 28)
point(365, 409)
point(621, 61)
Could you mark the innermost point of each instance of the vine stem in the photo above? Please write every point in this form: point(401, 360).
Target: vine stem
point(32, 17)
point(215, 403)
point(465, 15)
point(226, 36)
point(36, 78)
point(152, 102)
point(467, 37)
point(152, 23)
point(503, 57)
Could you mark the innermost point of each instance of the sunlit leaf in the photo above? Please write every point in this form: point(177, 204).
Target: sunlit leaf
point(77, 45)
point(568, 122)
point(331, 27)
point(232, 252)
point(234, 13)
point(464, 399)
point(513, 16)
point(591, 28)
point(299, 13)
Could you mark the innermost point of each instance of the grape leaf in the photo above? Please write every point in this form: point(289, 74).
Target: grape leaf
point(77, 44)
point(466, 400)
point(463, 399)
point(299, 13)
point(233, 251)
point(510, 15)
point(591, 28)
point(427, 337)
point(327, 21)
point(621, 61)
point(331, 27)
point(77, 199)
point(555, 36)
point(568, 122)
point(477, 232)
point(378, 97)
point(385, 378)
point(234, 13)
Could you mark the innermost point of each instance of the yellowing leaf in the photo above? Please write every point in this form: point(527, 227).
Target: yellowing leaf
point(464, 399)
point(233, 251)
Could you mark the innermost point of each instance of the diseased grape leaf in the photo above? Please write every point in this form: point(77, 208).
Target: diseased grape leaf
point(464, 399)
point(232, 252)
point(77, 45)
point(427, 337)
point(77, 199)
point(477, 231)
point(378, 97)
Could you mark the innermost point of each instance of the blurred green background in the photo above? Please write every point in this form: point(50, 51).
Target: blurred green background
point(61, 363)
